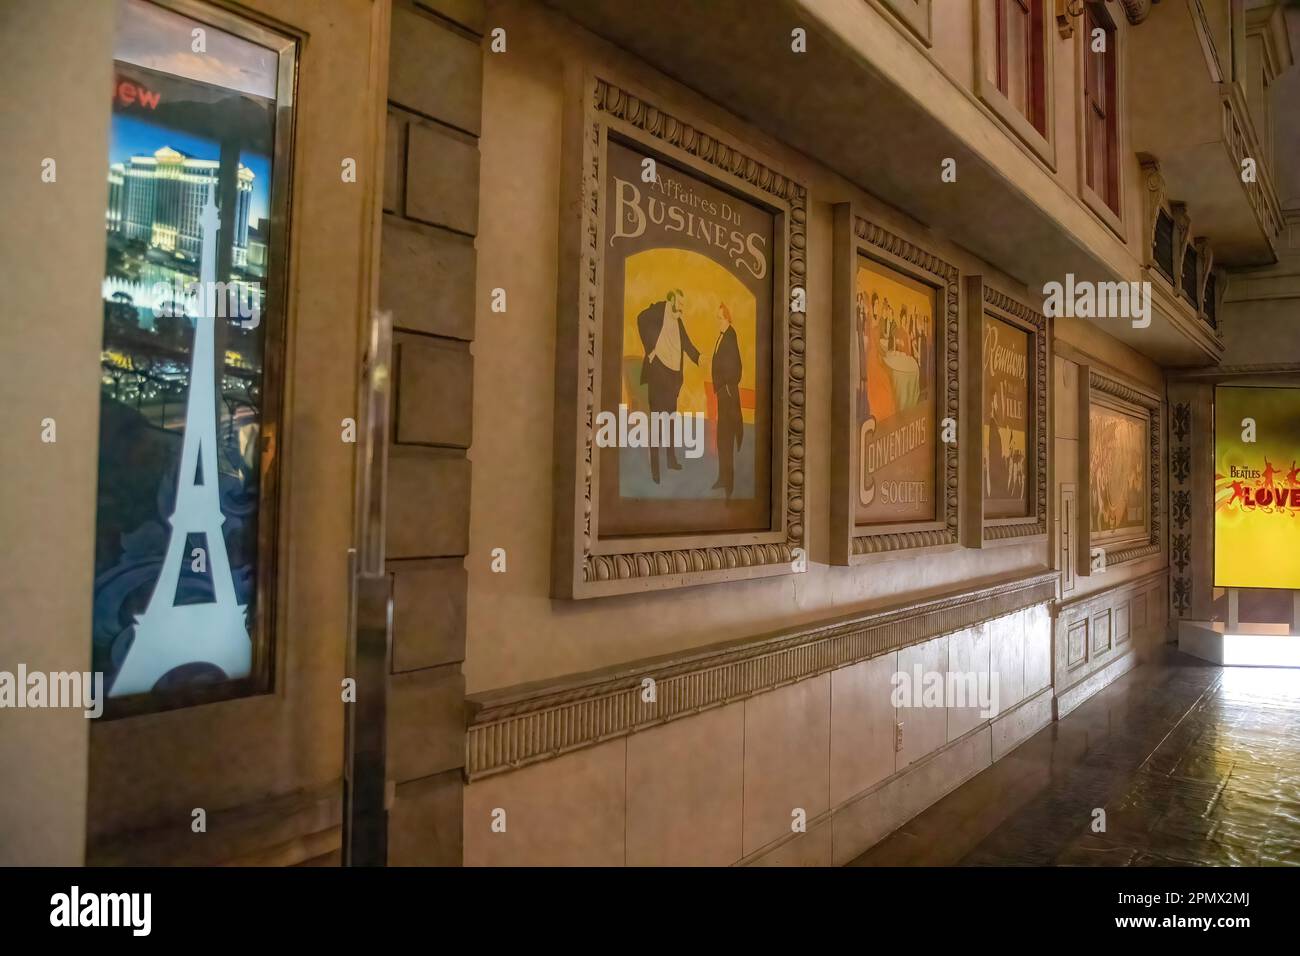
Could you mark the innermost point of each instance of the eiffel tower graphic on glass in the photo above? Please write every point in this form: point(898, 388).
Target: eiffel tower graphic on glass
point(168, 634)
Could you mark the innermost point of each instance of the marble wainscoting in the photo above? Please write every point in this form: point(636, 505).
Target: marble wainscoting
point(784, 749)
point(1102, 635)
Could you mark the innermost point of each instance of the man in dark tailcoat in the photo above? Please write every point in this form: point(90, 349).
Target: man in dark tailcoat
point(726, 388)
point(666, 344)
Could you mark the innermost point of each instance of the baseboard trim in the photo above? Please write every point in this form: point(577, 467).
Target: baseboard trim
point(279, 831)
point(1070, 698)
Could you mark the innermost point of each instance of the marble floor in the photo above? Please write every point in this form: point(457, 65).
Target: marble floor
point(1192, 764)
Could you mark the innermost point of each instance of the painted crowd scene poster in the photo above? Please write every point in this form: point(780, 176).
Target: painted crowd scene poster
point(1006, 420)
point(894, 333)
point(684, 439)
point(1117, 470)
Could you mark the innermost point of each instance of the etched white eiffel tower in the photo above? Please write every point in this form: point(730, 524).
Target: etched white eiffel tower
point(168, 635)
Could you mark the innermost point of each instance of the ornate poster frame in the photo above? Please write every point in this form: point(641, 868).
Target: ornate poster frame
point(1110, 391)
point(1000, 306)
point(853, 544)
point(585, 564)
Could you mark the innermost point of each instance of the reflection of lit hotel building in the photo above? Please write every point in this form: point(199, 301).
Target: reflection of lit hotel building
point(256, 250)
point(159, 198)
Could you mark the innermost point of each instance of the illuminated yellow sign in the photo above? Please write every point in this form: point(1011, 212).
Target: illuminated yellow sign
point(1257, 487)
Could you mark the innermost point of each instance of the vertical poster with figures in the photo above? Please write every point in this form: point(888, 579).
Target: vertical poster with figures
point(185, 350)
point(684, 430)
point(1257, 487)
point(1006, 420)
point(894, 332)
point(1118, 450)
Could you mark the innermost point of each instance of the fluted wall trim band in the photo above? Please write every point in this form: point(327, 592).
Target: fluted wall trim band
point(1124, 555)
point(1107, 596)
point(516, 727)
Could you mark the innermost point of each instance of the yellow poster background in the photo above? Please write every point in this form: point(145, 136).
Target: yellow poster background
point(1256, 547)
point(650, 276)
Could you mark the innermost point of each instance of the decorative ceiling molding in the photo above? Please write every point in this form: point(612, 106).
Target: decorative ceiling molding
point(1137, 10)
point(1269, 24)
point(1155, 195)
point(1067, 11)
point(1223, 372)
point(1206, 38)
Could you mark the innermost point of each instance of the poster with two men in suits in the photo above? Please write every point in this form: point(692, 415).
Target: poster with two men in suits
point(686, 360)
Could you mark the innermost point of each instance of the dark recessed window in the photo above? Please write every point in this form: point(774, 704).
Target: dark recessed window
point(1208, 308)
point(1190, 261)
point(1021, 67)
point(1101, 101)
point(1163, 246)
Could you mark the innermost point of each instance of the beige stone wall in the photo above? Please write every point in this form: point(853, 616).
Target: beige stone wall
point(427, 275)
point(1286, 127)
point(57, 63)
point(516, 633)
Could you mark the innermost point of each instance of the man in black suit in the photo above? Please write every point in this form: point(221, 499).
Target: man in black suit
point(666, 344)
point(726, 387)
point(998, 484)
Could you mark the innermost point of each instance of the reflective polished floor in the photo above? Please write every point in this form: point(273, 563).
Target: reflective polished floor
point(1192, 764)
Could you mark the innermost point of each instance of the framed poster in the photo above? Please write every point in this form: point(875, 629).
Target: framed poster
point(1005, 421)
point(693, 319)
point(679, 412)
point(1012, 384)
point(1123, 471)
point(193, 302)
point(894, 481)
point(1117, 472)
point(1256, 487)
